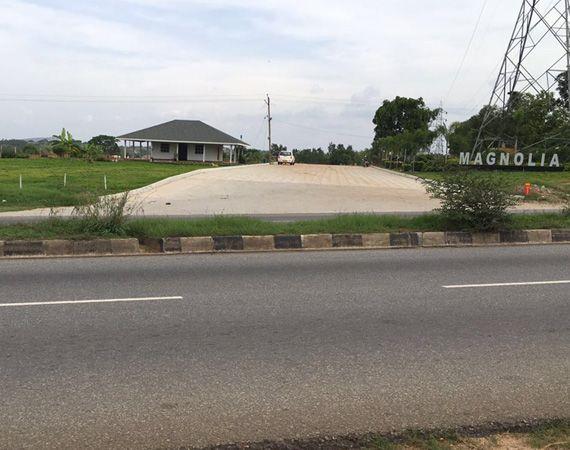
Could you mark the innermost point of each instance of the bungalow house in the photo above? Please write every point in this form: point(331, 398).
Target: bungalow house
point(184, 140)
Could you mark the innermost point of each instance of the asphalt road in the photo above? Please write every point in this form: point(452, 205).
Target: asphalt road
point(257, 346)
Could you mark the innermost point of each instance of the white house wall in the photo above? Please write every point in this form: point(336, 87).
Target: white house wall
point(157, 155)
point(211, 150)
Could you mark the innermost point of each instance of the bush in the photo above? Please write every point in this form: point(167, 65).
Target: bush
point(107, 215)
point(473, 200)
point(434, 163)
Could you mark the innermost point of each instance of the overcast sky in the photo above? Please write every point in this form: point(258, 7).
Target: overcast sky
point(111, 66)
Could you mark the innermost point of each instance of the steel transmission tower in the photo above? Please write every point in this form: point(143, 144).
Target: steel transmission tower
point(440, 145)
point(538, 52)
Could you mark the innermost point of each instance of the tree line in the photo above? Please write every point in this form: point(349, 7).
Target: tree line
point(61, 145)
point(406, 128)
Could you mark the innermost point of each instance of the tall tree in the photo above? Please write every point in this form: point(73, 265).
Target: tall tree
point(339, 155)
point(403, 124)
point(107, 143)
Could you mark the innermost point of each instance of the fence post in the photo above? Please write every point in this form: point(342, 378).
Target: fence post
point(65, 180)
point(105, 181)
point(21, 185)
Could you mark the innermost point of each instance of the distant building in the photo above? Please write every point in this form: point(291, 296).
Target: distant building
point(184, 140)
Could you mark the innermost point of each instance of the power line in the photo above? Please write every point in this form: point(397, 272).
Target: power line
point(125, 101)
point(226, 98)
point(470, 43)
point(322, 130)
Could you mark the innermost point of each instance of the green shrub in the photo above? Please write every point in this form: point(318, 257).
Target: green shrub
point(106, 215)
point(472, 200)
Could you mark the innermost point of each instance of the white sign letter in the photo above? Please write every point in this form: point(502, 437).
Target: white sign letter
point(531, 163)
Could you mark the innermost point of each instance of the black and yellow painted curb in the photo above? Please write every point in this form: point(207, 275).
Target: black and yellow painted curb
point(219, 244)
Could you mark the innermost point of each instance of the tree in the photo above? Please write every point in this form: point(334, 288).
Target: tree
point(339, 155)
point(65, 145)
point(30, 149)
point(276, 149)
point(462, 135)
point(562, 88)
point(531, 123)
point(311, 156)
point(108, 144)
point(90, 152)
point(403, 125)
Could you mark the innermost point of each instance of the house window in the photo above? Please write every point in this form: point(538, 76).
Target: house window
point(164, 147)
point(199, 149)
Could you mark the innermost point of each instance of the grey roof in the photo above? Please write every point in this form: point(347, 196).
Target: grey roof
point(191, 131)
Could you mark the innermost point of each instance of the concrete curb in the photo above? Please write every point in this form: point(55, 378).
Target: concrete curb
point(69, 248)
point(213, 244)
point(395, 172)
point(221, 244)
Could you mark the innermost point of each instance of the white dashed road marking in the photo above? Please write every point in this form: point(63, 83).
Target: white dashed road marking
point(83, 302)
point(492, 285)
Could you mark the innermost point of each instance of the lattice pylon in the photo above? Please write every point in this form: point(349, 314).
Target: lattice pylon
point(538, 52)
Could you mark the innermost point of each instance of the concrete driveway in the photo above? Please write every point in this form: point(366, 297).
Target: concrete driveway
point(271, 189)
point(279, 193)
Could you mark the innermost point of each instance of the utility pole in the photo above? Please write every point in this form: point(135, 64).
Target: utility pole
point(269, 119)
point(567, 17)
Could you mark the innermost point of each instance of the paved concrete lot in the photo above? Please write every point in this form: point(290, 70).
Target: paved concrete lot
point(278, 345)
point(299, 189)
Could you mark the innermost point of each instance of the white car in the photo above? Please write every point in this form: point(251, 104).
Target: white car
point(286, 158)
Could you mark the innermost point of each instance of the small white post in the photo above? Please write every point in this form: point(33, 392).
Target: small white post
point(204, 153)
point(105, 181)
point(21, 185)
point(65, 180)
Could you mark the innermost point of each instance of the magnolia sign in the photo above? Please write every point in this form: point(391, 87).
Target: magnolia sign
point(506, 159)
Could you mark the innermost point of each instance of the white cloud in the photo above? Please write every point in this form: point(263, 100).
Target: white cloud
point(328, 63)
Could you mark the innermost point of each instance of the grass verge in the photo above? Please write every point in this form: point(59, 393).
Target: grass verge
point(556, 184)
point(43, 180)
point(230, 226)
point(553, 435)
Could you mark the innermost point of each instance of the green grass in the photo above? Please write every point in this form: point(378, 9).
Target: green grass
point(554, 433)
point(557, 182)
point(43, 180)
point(230, 226)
